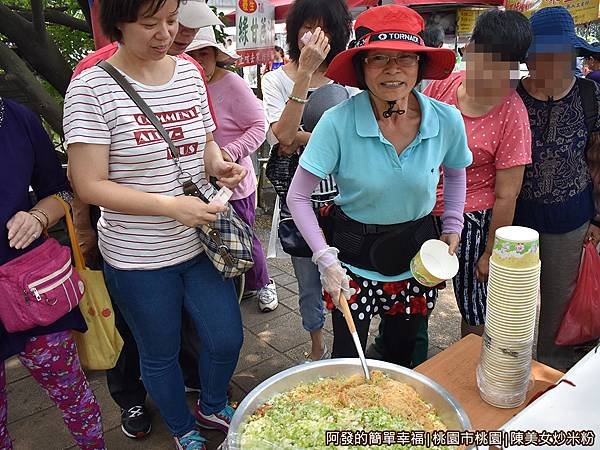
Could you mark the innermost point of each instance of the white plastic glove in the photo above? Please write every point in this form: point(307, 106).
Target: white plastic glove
point(334, 277)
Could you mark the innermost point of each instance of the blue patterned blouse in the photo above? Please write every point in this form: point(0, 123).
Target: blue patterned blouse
point(557, 196)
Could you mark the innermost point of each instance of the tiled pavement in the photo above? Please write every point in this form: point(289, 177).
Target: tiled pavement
point(272, 342)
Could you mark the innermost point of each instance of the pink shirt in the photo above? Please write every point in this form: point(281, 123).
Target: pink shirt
point(500, 139)
point(242, 127)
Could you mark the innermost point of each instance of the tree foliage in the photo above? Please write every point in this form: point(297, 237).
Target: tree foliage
point(74, 43)
point(40, 43)
point(590, 31)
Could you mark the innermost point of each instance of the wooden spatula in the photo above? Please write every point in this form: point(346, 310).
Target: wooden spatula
point(350, 322)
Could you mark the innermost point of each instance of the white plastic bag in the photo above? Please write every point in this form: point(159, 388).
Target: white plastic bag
point(274, 249)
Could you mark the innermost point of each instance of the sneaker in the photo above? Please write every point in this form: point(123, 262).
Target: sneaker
point(135, 422)
point(267, 297)
point(190, 441)
point(216, 421)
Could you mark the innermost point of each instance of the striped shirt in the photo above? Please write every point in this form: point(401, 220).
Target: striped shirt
point(98, 111)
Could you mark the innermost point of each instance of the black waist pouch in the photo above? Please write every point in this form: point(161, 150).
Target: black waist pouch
point(387, 249)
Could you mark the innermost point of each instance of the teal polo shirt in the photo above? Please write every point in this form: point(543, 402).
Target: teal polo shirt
point(376, 185)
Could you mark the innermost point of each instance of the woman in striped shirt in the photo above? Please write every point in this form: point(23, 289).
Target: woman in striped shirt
point(154, 263)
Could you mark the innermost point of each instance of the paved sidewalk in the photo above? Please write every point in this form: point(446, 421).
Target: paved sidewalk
point(272, 342)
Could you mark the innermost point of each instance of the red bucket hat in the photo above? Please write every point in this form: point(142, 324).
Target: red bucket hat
point(390, 27)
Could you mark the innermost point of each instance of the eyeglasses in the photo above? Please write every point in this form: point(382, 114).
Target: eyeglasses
point(379, 61)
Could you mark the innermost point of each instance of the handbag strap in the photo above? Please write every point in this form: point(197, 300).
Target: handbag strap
point(185, 179)
point(77, 254)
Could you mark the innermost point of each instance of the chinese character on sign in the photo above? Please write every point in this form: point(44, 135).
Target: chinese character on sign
point(263, 30)
point(242, 32)
point(248, 6)
point(254, 30)
point(560, 437)
point(545, 438)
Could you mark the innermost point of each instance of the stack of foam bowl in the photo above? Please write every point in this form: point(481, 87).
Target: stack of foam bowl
point(513, 285)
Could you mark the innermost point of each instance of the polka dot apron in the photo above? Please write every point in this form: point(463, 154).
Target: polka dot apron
point(390, 298)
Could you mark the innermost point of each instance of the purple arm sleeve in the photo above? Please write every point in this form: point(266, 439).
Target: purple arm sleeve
point(298, 200)
point(455, 189)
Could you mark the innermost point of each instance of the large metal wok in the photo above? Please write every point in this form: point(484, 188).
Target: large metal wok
point(451, 413)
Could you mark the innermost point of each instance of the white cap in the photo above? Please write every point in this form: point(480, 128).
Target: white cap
point(206, 38)
point(196, 14)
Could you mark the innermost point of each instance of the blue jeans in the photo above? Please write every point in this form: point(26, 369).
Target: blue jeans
point(310, 293)
point(151, 302)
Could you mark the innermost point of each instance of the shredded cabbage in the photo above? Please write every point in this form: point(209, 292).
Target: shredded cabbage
point(299, 419)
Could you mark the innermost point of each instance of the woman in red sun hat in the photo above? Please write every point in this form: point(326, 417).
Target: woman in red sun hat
point(384, 148)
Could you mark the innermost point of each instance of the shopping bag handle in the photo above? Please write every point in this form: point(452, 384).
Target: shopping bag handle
point(77, 254)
